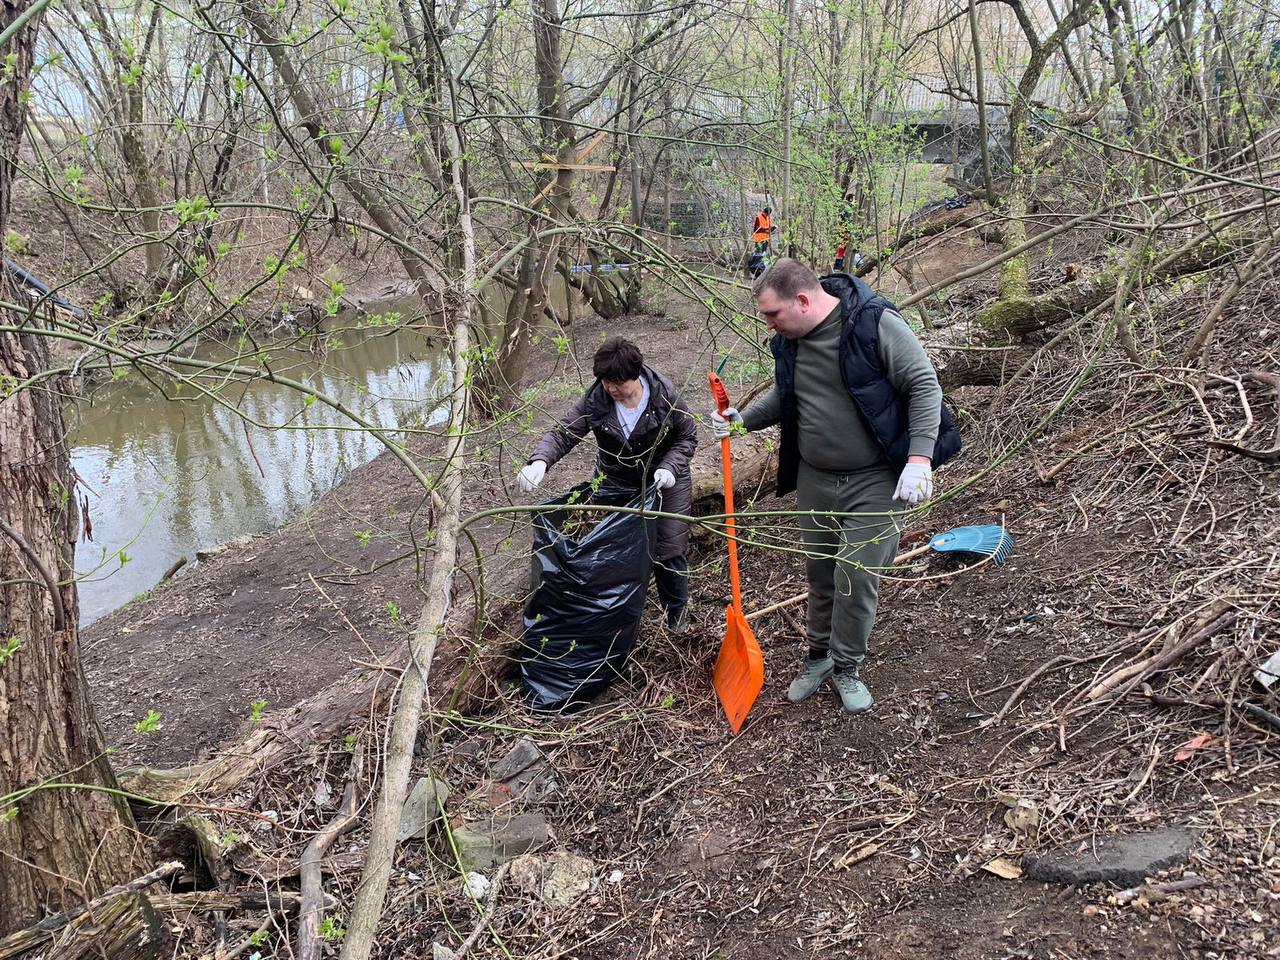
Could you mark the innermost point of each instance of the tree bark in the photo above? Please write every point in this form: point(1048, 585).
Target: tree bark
point(24, 941)
point(58, 846)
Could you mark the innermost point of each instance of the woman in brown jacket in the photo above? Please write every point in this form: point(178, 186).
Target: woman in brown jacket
point(641, 426)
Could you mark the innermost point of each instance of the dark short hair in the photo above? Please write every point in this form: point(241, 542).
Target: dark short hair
point(618, 359)
point(786, 278)
point(768, 210)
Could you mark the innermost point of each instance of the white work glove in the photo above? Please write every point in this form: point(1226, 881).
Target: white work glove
point(722, 423)
point(531, 475)
point(663, 479)
point(915, 486)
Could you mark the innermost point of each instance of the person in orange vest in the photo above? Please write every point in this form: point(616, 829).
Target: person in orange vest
point(762, 229)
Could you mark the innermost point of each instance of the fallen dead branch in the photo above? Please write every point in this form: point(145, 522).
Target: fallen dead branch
point(1217, 704)
point(1262, 456)
point(486, 915)
point(311, 870)
point(207, 901)
point(28, 939)
point(1127, 678)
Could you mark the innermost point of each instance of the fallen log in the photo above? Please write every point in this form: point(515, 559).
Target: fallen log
point(1015, 317)
point(126, 928)
point(277, 739)
point(987, 366)
point(755, 469)
point(22, 941)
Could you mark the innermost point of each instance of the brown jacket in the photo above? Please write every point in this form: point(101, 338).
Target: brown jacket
point(664, 438)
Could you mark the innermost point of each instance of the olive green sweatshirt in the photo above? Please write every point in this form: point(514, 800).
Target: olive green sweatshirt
point(833, 435)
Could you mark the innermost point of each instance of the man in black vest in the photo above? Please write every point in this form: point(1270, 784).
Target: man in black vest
point(863, 426)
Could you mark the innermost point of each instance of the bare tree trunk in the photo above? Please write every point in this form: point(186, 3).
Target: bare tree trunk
point(633, 148)
point(371, 893)
point(788, 98)
point(1013, 272)
point(979, 82)
point(504, 375)
point(58, 846)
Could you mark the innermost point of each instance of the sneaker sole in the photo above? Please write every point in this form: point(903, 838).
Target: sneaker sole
point(856, 713)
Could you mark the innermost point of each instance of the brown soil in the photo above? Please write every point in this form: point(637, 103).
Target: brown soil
point(812, 833)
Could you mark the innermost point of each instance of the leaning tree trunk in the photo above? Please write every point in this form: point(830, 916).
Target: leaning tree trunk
point(57, 845)
point(1013, 272)
point(503, 378)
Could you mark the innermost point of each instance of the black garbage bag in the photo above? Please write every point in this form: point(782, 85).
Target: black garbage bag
point(589, 586)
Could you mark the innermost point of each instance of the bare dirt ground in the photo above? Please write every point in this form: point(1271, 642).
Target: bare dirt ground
point(812, 833)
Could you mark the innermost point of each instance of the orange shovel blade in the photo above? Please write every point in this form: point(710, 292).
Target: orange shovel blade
point(739, 671)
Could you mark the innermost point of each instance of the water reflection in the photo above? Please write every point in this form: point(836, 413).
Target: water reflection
point(168, 476)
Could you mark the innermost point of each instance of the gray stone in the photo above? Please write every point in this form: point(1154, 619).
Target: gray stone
point(424, 807)
point(484, 844)
point(523, 774)
point(519, 758)
point(471, 749)
point(235, 543)
point(558, 879)
point(536, 784)
point(1127, 860)
point(567, 879)
point(440, 952)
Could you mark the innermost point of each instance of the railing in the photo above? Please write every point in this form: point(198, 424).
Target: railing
point(927, 92)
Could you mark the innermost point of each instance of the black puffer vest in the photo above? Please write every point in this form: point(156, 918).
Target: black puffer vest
point(875, 398)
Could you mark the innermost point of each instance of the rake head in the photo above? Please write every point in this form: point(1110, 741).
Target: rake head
point(985, 541)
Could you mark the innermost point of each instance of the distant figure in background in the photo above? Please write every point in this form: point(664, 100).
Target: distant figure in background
point(848, 219)
point(641, 424)
point(854, 262)
point(762, 230)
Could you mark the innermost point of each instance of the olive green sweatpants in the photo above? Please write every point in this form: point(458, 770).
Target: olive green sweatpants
point(844, 555)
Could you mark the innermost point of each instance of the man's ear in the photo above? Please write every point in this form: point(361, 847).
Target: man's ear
point(804, 300)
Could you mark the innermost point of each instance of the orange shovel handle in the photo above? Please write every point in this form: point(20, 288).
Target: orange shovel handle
point(721, 396)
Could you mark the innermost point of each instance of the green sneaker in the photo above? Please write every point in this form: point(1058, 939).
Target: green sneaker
point(809, 679)
point(854, 695)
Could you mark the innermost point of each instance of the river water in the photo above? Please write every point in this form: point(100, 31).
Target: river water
point(165, 478)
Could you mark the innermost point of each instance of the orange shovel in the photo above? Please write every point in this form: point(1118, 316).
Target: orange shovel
point(739, 670)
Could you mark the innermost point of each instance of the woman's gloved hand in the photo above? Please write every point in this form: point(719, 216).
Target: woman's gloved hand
point(531, 475)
